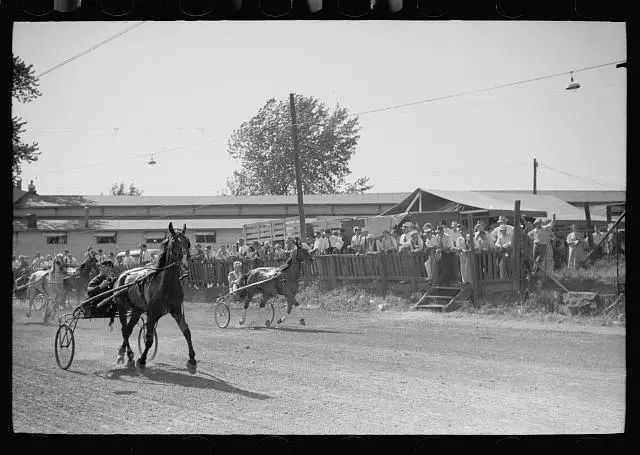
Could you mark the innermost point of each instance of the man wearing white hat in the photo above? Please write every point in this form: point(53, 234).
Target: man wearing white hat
point(541, 234)
point(454, 232)
point(504, 246)
point(482, 240)
point(502, 221)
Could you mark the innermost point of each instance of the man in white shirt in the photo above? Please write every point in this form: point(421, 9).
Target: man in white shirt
point(482, 240)
point(407, 227)
point(445, 257)
point(335, 242)
point(243, 250)
point(358, 241)
point(321, 243)
point(128, 261)
point(388, 244)
point(464, 250)
point(503, 245)
point(145, 256)
point(502, 221)
point(454, 232)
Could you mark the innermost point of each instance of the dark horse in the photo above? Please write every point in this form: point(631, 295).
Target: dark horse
point(158, 292)
point(80, 279)
point(286, 284)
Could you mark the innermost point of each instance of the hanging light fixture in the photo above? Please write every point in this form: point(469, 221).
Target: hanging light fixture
point(573, 85)
point(152, 161)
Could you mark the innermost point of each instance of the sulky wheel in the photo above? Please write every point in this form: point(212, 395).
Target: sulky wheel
point(222, 314)
point(142, 335)
point(270, 314)
point(65, 346)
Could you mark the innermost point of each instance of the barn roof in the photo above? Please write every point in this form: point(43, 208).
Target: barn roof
point(110, 201)
point(133, 225)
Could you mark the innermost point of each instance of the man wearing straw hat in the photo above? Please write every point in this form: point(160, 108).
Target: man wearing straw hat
point(463, 247)
point(502, 221)
point(541, 235)
point(504, 247)
point(445, 257)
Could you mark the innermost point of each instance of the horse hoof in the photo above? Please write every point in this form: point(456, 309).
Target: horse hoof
point(241, 322)
point(28, 314)
point(120, 359)
point(191, 366)
point(302, 322)
point(141, 364)
point(267, 323)
point(279, 321)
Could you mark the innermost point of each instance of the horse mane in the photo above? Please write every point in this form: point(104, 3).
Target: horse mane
point(163, 258)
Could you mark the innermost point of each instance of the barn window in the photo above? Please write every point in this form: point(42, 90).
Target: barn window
point(55, 238)
point(206, 237)
point(154, 237)
point(106, 237)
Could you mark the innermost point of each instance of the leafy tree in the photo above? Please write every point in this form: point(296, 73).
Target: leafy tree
point(118, 189)
point(24, 90)
point(359, 185)
point(327, 141)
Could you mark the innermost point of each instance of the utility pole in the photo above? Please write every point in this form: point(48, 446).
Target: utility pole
point(294, 136)
point(535, 175)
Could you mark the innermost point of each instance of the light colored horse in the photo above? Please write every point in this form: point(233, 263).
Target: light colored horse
point(38, 284)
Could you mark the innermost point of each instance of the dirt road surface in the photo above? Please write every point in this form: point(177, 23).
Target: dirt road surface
point(342, 373)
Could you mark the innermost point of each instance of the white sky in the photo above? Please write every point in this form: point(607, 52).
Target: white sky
point(173, 84)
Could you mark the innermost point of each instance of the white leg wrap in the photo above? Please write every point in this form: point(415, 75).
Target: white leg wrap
point(244, 316)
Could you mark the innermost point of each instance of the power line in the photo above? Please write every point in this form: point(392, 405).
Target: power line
point(127, 158)
point(606, 184)
point(351, 115)
point(495, 87)
point(90, 49)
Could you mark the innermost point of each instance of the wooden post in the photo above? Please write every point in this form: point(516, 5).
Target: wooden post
point(517, 247)
point(587, 215)
point(298, 168)
point(473, 274)
point(334, 273)
point(383, 271)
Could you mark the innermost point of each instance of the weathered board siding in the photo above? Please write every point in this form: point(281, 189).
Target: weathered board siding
point(30, 242)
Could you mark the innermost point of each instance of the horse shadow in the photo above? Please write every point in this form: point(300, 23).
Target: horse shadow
point(164, 376)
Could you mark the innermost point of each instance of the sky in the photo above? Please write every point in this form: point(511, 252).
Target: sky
point(177, 90)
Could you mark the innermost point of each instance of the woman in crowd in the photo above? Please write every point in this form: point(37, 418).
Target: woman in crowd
point(573, 240)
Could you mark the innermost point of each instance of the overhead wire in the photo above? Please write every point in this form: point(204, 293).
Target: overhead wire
point(394, 107)
point(606, 184)
point(90, 49)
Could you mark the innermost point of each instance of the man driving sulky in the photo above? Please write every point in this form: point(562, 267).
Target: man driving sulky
point(101, 283)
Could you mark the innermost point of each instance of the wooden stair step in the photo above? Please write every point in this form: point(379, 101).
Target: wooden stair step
point(448, 297)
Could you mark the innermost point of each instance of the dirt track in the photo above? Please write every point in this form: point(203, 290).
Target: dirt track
point(343, 373)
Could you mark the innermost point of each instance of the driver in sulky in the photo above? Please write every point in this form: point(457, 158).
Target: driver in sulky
point(102, 282)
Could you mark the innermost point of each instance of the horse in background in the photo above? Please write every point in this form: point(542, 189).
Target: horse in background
point(286, 284)
point(80, 278)
point(158, 291)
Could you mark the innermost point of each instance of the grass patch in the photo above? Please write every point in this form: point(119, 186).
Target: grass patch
point(354, 299)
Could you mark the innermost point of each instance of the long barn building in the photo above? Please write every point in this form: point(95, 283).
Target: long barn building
point(52, 223)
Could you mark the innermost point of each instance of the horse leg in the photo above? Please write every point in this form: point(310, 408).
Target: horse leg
point(178, 315)
point(247, 299)
point(133, 320)
point(263, 302)
point(122, 315)
point(291, 302)
point(148, 342)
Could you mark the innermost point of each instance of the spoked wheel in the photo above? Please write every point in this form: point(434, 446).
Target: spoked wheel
point(65, 346)
point(271, 314)
point(222, 314)
point(142, 335)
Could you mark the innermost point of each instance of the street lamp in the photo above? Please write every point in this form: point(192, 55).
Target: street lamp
point(573, 85)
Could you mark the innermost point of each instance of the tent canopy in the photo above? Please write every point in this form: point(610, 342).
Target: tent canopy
point(495, 203)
